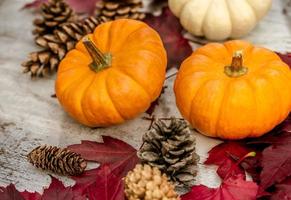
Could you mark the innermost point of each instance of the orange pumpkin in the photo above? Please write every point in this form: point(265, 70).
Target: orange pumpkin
point(233, 90)
point(113, 74)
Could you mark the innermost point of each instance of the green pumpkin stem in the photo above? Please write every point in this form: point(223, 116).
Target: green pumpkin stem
point(236, 68)
point(100, 60)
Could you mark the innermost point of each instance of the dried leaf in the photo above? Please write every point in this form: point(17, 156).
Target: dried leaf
point(100, 184)
point(233, 188)
point(170, 30)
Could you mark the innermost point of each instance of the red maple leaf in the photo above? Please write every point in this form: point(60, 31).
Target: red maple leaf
point(276, 163)
point(80, 6)
point(100, 184)
point(222, 155)
point(57, 191)
point(31, 196)
point(10, 193)
point(283, 191)
point(232, 188)
point(170, 30)
point(119, 154)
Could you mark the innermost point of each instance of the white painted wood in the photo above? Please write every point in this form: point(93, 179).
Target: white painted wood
point(30, 117)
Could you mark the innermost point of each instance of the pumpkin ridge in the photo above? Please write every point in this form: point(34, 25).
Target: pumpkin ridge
point(253, 9)
point(127, 38)
point(278, 95)
point(253, 89)
point(204, 17)
point(73, 86)
point(83, 97)
point(194, 97)
point(221, 107)
point(111, 35)
point(110, 97)
point(134, 80)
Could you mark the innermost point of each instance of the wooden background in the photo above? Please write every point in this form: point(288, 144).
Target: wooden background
point(30, 117)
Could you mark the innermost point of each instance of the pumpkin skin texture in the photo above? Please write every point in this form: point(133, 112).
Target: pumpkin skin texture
point(219, 19)
point(247, 104)
point(122, 89)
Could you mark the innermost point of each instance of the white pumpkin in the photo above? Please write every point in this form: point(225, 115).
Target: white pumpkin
point(219, 19)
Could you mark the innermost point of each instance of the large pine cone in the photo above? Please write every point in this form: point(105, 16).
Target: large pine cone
point(171, 148)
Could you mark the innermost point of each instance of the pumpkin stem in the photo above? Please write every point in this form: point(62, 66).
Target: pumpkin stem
point(100, 60)
point(236, 68)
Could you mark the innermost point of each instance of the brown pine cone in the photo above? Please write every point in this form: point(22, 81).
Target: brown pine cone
point(54, 13)
point(171, 148)
point(148, 183)
point(61, 161)
point(56, 45)
point(119, 9)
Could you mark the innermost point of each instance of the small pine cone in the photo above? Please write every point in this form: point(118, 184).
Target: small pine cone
point(171, 148)
point(148, 183)
point(61, 161)
point(120, 9)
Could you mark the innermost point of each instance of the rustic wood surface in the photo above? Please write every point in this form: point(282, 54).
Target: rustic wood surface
point(29, 116)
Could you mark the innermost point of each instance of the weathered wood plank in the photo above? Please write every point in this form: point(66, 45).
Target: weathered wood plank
point(30, 117)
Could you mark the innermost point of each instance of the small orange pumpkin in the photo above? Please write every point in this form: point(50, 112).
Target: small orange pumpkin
point(113, 74)
point(233, 90)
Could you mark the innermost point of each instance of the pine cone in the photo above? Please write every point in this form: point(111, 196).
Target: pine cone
point(56, 45)
point(171, 148)
point(54, 13)
point(119, 9)
point(61, 161)
point(148, 183)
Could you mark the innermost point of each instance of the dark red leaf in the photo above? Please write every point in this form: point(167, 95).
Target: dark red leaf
point(221, 155)
point(233, 188)
point(100, 184)
point(57, 191)
point(170, 30)
point(253, 166)
point(286, 57)
point(31, 196)
point(80, 6)
point(34, 4)
point(109, 151)
point(276, 163)
point(121, 155)
point(10, 193)
point(283, 190)
point(83, 6)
